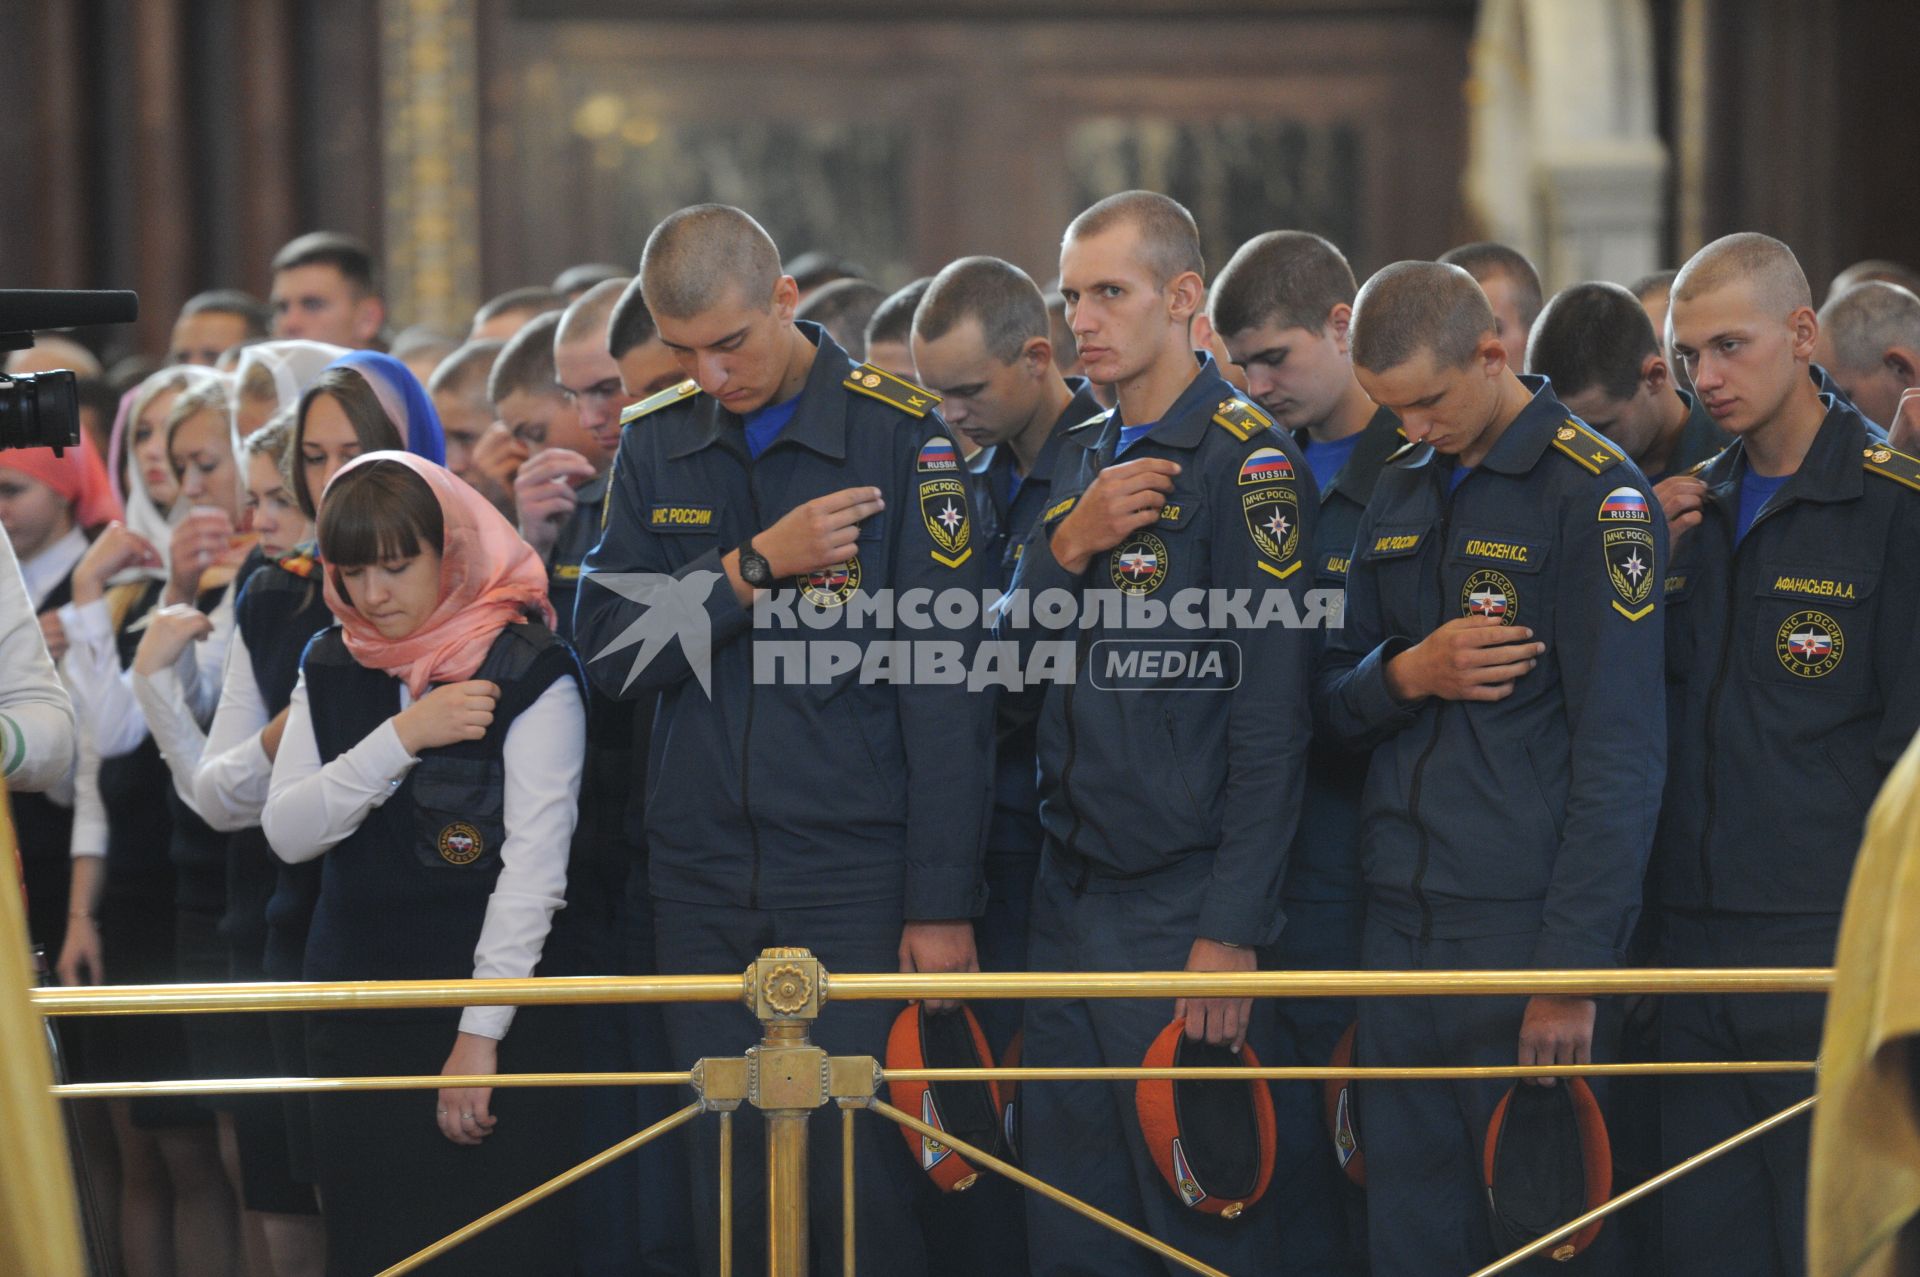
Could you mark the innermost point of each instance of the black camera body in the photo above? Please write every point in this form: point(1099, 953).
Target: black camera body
point(42, 410)
point(39, 410)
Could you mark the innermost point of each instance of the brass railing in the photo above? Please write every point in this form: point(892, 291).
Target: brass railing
point(786, 1077)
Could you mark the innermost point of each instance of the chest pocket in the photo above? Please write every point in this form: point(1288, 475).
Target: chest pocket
point(459, 812)
point(1500, 574)
point(1811, 627)
point(1180, 510)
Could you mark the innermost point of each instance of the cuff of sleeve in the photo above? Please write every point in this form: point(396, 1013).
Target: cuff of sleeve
point(380, 760)
point(938, 895)
point(87, 622)
point(486, 1022)
point(1227, 916)
point(1371, 700)
point(1572, 953)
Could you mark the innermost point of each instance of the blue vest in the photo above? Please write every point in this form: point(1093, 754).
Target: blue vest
point(403, 897)
point(269, 901)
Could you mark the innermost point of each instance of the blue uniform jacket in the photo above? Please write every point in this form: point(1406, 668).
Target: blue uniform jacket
point(1143, 772)
point(1794, 674)
point(1536, 811)
point(1325, 864)
point(1003, 530)
point(772, 790)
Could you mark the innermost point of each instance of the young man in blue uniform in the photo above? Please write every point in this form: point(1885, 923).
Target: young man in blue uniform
point(1502, 659)
point(982, 341)
point(1167, 803)
point(786, 806)
point(1284, 308)
point(1596, 345)
point(1795, 678)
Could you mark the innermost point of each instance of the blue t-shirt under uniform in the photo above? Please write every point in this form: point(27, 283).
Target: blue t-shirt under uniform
point(1458, 477)
point(1327, 459)
point(765, 424)
point(1130, 435)
point(1755, 491)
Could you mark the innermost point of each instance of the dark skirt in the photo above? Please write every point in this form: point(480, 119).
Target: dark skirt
point(392, 1183)
point(138, 946)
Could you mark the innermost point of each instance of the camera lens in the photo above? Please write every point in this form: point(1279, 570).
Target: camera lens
point(39, 410)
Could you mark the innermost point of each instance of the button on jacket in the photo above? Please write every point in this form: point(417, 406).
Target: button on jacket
point(1794, 672)
point(1148, 772)
point(772, 790)
point(1538, 810)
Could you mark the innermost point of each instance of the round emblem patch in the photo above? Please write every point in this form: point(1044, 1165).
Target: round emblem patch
point(1139, 564)
point(1490, 593)
point(831, 586)
point(871, 380)
point(1810, 644)
point(460, 843)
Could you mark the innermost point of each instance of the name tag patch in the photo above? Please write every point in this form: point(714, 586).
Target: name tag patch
point(1504, 551)
point(1817, 587)
point(680, 518)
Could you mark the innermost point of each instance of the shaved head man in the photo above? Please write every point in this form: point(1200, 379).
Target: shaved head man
point(844, 309)
point(889, 333)
point(646, 366)
point(1427, 352)
point(499, 318)
point(1513, 290)
point(1742, 322)
point(1503, 651)
point(1875, 269)
point(1790, 620)
point(781, 473)
point(585, 369)
point(1870, 344)
point(712, 282)
point(1184, 487)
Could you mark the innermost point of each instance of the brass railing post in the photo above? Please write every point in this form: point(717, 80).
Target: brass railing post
point(786, 1081)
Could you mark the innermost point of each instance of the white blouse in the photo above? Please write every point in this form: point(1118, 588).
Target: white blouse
point(310, 809)
point(221, 773)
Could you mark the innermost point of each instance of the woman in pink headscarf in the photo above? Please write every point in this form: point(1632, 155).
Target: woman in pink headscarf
point(431, 761)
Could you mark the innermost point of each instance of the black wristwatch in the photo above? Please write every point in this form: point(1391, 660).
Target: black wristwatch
point(754, 568)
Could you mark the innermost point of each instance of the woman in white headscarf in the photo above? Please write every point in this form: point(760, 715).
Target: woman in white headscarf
point(175, 1204)
point(271, 377)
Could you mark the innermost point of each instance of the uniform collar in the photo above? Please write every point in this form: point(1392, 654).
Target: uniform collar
point(1379, 437)
point(1831, 470)
point(1523, 443)
point(819, 423)
point(1185, 422)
